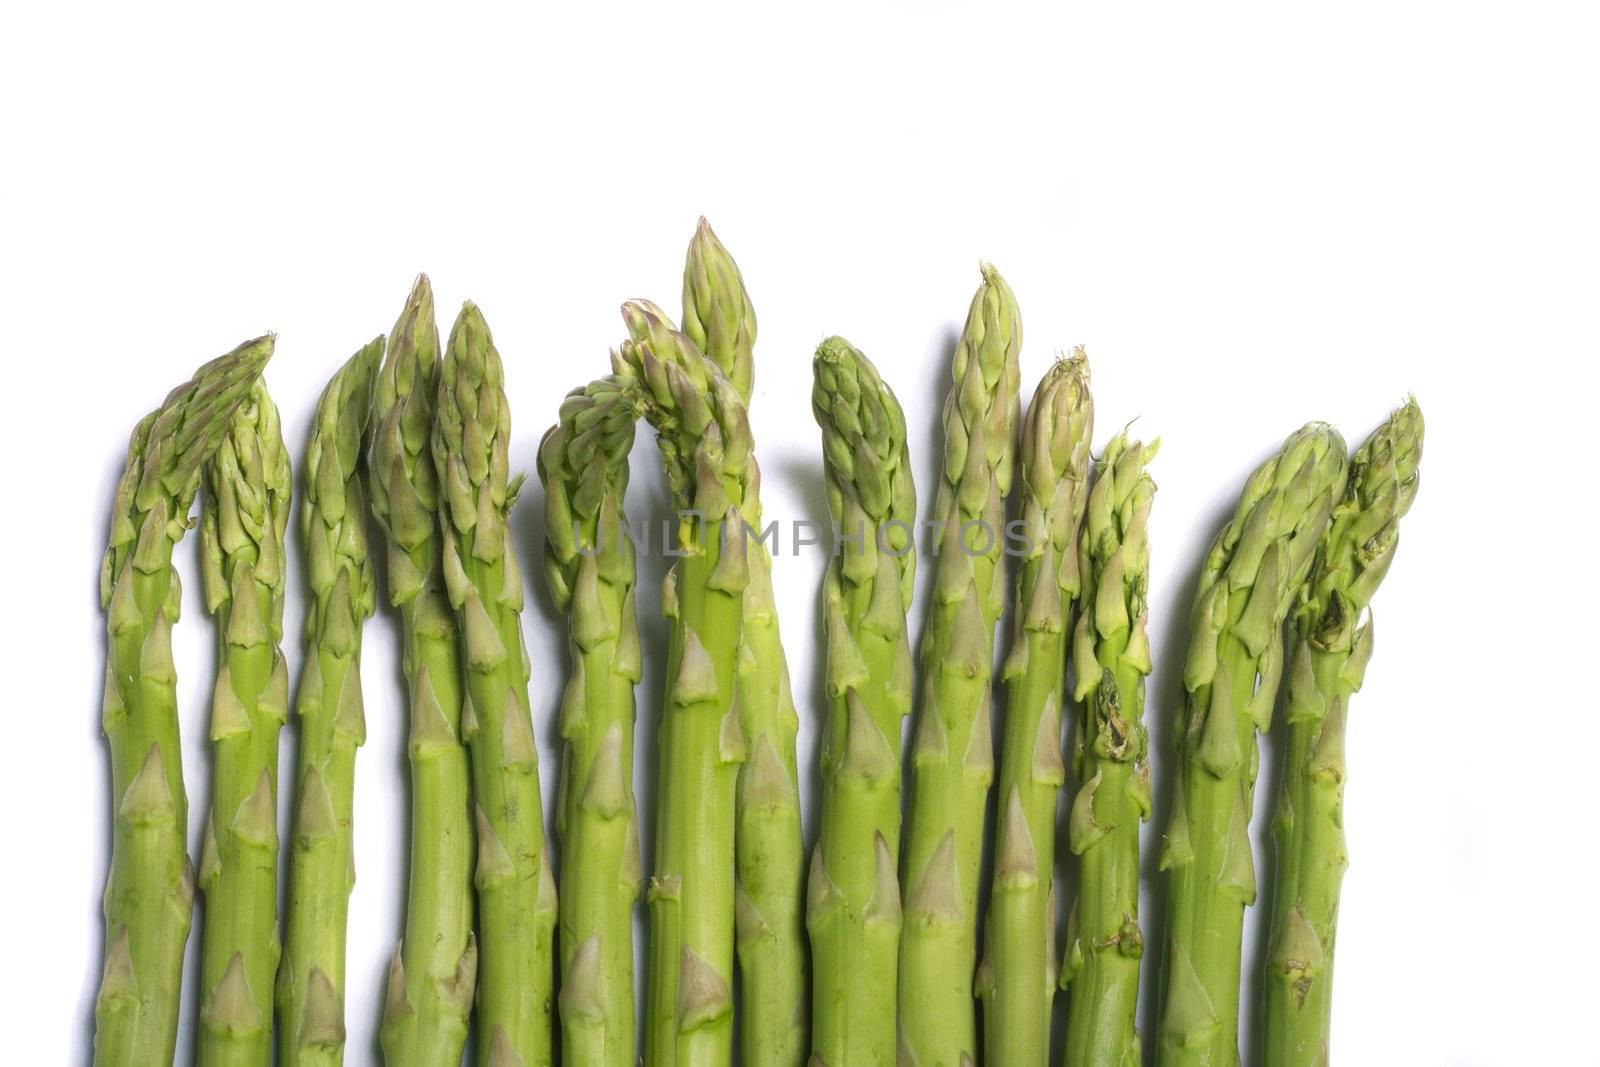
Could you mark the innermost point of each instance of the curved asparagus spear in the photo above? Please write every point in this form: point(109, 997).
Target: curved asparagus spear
point(243, 517)
point(1330, 655)
point(1017, 977)
point(431, 975)
point(589, 564)
point(1111, 657)
point(769, 846)
point(150, 893)
point(952, 752)
point(704, 441)
point(1249, 577)
point(516, 890)
point(853, 896)
point(333, 523)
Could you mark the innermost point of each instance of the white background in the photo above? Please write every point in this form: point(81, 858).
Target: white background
point(1251, 216)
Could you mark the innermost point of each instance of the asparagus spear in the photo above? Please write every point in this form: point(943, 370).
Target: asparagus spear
point(717, 314)
point(1248, 580)
point(589, 564)
point(243, 517)
point(1017, 977)
point(150, 892)
point(704, 441)
point(1330, 655)
point(853, 897)
point(310, 987)
point(769, 848)
point(516, 891)
point(1111, 657)
point(952, 754)
point(431, 975)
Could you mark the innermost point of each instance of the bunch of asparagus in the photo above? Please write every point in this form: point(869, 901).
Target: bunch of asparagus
point(864, 951)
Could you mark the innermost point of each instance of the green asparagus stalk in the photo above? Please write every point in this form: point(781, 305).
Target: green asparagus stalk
point(853, 896)
point(704, 439)
point(310, 987)
point(589, 565)
point(769, 847)
point(1249, 578)
point(952, 751)
point(717, 314)
point(432, 973)
point(1017, 977)
point(150, 893)
point(243, 517)
point(516, 889)
point(1111, 657)
point(1331, 650)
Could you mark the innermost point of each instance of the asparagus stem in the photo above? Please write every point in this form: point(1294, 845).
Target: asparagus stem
point(1249, 578)
point(853, 896)
point(244, 514)
point(769, 847)
point(952, 751)
point(432, 974)
point(1329, 658)
point(310, 984)
point(589, 565)
point(149, 896)
point(1111, 657)
point(1017, 978)
point(704, 440)
point(516, 890)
